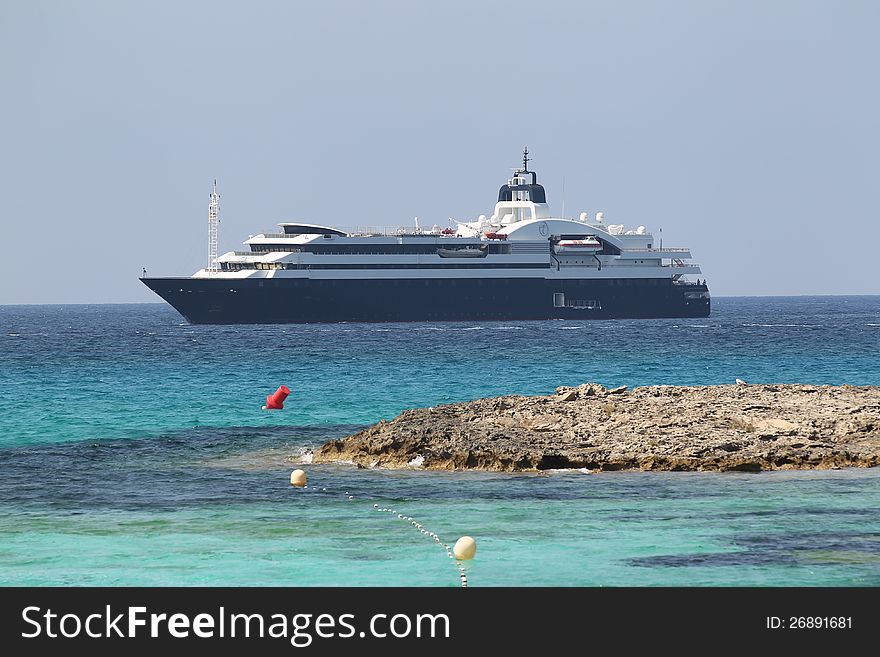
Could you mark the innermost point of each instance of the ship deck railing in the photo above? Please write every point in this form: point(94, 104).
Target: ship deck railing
point(367, 231)
point(398, 231)
point(258, 254)
point(261, 253)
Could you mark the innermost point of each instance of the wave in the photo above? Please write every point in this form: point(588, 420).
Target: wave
point(570, 471)
point(786, 325)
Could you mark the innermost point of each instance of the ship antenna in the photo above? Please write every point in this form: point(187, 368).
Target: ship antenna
point(563, 196)
point(526, 159)
point(213, 230)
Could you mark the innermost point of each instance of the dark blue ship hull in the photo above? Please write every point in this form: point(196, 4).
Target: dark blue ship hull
point(297, 300)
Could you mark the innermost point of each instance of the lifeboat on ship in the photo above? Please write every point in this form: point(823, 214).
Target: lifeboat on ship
point(496, 236)
point(585, 245)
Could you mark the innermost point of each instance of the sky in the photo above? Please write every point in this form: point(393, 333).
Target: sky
point(747, 131)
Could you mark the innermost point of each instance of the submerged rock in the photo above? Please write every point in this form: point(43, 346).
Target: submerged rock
point(763, 427)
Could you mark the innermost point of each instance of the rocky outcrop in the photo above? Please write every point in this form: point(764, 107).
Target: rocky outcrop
point(731, 427)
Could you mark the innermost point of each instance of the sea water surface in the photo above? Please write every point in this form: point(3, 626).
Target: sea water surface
point(133, 450)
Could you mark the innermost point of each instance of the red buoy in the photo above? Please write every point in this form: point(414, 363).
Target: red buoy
point(275, 401)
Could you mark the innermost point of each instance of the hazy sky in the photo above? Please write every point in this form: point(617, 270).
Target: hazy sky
point(748, 131)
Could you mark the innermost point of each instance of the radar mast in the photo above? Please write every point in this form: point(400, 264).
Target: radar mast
point(213, 230)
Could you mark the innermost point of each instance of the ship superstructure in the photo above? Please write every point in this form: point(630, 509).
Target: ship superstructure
point(518, 263)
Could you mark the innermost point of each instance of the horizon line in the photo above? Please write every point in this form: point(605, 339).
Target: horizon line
point(164, 303)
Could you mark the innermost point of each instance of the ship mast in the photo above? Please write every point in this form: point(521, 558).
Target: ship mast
point(213, 230)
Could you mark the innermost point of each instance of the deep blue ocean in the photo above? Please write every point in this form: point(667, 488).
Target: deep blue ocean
point(133, 450)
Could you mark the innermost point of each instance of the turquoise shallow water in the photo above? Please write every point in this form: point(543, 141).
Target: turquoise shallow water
point(133, 451)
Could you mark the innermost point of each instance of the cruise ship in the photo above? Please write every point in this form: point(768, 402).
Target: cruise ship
point(519, 263)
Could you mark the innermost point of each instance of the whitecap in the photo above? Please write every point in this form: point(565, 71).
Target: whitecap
point(569, 471)
point(785, 325)
point(417, 462)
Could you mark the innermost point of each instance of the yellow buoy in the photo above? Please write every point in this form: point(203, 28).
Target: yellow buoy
point(298, 478)
point(465, 548)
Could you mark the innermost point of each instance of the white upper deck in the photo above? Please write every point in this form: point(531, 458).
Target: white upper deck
point(521, 231)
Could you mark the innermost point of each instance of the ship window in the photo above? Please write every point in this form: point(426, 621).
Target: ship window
point(558, 300)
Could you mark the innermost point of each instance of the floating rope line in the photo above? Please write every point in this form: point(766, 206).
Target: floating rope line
point(414, 524)
point(429, 534)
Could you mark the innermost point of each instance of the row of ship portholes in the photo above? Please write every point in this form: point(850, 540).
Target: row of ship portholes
point(427, 282)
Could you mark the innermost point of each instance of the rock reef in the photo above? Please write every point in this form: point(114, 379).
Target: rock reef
point(728, 427)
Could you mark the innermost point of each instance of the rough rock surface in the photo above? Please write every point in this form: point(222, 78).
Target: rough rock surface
point(730, 427)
